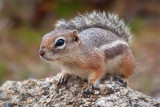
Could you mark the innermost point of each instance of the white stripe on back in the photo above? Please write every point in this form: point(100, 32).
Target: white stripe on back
point(113, 44)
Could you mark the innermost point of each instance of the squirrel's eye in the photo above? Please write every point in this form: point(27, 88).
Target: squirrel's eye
point(60, 42)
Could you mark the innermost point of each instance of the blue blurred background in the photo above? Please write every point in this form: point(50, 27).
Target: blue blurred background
point(24, 22)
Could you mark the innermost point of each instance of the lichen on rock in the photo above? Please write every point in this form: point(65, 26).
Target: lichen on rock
point(46, 93)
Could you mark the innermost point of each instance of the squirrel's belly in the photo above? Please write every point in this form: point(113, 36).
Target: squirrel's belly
point(77, 71)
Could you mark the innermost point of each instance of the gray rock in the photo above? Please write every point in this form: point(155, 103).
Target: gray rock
point(46, 93)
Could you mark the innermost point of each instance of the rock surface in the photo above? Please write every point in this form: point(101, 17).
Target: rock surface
point(45, 93)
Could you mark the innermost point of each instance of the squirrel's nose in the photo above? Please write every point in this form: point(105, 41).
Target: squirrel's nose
point(41, 52)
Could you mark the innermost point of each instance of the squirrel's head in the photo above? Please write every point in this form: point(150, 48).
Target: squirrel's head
point(59, 44)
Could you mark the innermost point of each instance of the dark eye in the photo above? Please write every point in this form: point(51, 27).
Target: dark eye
point(60, 42)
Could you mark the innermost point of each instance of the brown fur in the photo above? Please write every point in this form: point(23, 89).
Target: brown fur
point(96, 66)
point(118, 50)
point(126, 66)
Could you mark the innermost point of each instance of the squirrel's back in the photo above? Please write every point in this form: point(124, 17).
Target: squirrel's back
point(109, 22)
point(97, 37)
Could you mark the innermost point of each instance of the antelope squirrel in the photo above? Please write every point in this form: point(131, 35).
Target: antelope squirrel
point(89, 46)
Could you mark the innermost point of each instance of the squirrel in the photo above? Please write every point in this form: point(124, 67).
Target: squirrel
point(89, 46)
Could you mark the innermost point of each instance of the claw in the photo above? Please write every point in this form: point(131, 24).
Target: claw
point(123, 81)
point(89, 91)
point(63, 79)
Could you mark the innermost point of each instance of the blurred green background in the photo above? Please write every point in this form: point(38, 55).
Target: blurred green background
point(24, 22)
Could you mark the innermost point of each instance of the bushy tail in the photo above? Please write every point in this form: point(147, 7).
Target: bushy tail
point(99, 20)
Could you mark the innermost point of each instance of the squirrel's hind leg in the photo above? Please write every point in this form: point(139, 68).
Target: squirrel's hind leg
point(126, 66)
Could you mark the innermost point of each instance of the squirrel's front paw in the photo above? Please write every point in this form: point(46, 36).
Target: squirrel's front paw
point(63, 79)
point(90, 91)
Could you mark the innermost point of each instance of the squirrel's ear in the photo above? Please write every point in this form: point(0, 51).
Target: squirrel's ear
point(75, 35)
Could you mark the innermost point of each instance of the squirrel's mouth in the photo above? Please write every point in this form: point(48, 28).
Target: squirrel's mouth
point(46, 58)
